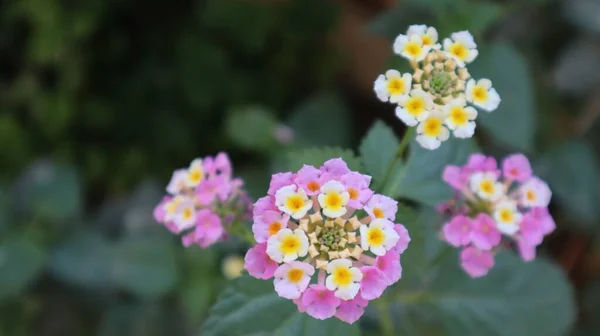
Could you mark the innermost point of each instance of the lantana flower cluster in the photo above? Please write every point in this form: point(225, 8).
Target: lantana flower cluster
point(494, 208)
point(202, 201)
point(435, 97)
point(328, 242)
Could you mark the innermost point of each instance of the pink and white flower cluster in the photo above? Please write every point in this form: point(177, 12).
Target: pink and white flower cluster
point(202, 200)
point(493, 205)
point(328, 242)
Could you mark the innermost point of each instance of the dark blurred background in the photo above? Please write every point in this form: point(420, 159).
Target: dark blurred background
point(101, 100)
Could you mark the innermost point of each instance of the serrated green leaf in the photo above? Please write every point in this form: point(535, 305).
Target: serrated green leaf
point(378, 149)
point(513, 124)
point(252, 128)
point(421, 177)
point(318, 156)
point(314, 120)
point(573, 173)
point(252, 307)
point(20, 263)
point(515, 298)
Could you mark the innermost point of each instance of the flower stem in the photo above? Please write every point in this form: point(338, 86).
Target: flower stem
point(399, 153)
point(385, 319)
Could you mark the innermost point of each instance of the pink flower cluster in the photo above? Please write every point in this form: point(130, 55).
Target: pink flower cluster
point(308, 230)
point(493, 206)
point(202, 200)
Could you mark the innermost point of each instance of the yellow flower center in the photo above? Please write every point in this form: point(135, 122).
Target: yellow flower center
point(342, 276)
point(172, 207)
point(187, 213)
point(459, 50)
point(487, 186)
point(274, 228)
point(480, 94)
point(353, 193)
point(294, 203)
point(378, 213)
point(458, 115)
point(313, 186)
point(530, 194)
point(196, 175)
point(333, 201)
point(413, 49)
point(427, 40)
point(295, 275)
point(433, 127)
point(375, 236)
point(415, 106)
point(290, 244)
point(395, 86)
point(506, 215)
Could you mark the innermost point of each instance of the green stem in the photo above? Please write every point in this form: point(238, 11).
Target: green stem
point(385, 319)
point(240, 230)
point(399, 153)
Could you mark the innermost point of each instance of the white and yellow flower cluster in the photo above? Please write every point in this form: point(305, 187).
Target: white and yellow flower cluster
point(436, 95)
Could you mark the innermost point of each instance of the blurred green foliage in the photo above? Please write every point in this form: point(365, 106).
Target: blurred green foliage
point(99, 99)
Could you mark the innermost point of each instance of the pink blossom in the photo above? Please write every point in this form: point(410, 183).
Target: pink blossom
point(159, 211)
point(300, 305)
point(208, 228)
point(320, 302)
point(480, 162)
point(475, 262)
point(530, 229)
point(380, 206)
point(455, 177)
point(350, 311)
point(373, 282)
point(220, 165)
point(357, 185)
point(535, 193)
point(308, 178)
point(526, 250)
point(207, 190)
point(280, 180)
point(516, 167)
point(177, 182)
point(404, 239)
point(484, 234)
point(389, 265)
point(269, 224)
point(262, 205)
point(258, 264)
point(287, 288)
point(457, 232)
point(547, 224)
point(335, 167)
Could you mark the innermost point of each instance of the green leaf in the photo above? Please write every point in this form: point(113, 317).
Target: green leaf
point(130, 319)
point(252, 307)
point(515, 298)
point(20, 263)
point(421, 177)
point(252, 128)
point(322, 120)
point(50, 191)
point(83, 260)
point(318, 156)
point(145, 266)
point(513, 124)
point(572, 171)
point(378, 149)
